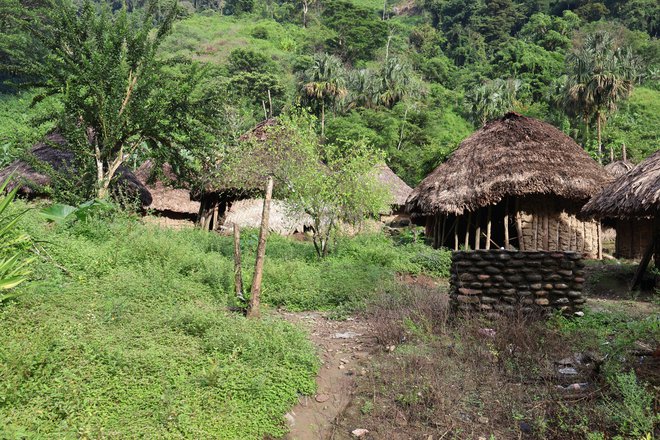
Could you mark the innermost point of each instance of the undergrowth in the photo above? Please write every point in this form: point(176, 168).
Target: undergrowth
point(123, 330)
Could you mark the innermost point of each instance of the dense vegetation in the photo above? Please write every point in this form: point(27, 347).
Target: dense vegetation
point(410, 78)
point(123, 329)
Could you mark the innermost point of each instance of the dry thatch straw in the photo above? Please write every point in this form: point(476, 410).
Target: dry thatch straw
point(166, 198)
point(633, 195)
point(619, 168)
point(511, 156)
point(32, 178)
point(247, 214)
point(394, 184)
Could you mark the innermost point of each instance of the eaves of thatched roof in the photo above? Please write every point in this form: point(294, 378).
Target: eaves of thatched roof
point(511, 156)
point(52, 153)
point(632, 195)
point(283, 218)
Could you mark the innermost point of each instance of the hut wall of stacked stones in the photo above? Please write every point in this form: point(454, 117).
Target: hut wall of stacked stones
point(498, 281)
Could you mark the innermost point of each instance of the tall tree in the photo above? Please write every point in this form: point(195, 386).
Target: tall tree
point(324, 84)
point(600, 74)
point(493, 99)
point(118, 96)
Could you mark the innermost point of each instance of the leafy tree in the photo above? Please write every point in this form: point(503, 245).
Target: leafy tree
point(118, 96)
point(551, 33)
point(493, 99)
point(497, 19)
point(333, 185)
point(324, 84)
point(601, 74)
point(359, 32)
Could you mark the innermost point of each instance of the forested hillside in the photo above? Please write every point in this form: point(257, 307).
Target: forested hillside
point(412, 78)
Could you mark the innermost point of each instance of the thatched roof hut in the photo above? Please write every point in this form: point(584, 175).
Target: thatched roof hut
point(166, 198)
point(31, 174)
point(633, 195)
point(514, 171)
point(632, 202)
point(619, 168)
point(396, 186)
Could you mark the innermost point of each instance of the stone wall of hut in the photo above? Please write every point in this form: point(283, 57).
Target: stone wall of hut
point(498, 282)
point(633, 237)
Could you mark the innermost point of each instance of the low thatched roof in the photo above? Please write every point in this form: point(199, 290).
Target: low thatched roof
point(166, 197)
point(247, 214)
point(397, 187)
point(633, 195)
point(619, 168)
point(31, 176)
point(511, 156)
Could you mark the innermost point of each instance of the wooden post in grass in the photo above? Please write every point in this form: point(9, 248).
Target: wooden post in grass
point(238, 273)
point(253, 309)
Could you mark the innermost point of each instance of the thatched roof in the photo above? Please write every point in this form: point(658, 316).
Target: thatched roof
point(511, 156)
point(397, 187)
point(166, 197)
point(247, 214)
point(633, 195)
point(262, 151)
point(619, 168)
point(32, 179)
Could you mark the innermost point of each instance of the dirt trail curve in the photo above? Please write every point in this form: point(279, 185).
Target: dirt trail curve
point(343, 347)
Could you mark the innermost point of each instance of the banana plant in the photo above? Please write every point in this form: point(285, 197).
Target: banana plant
point(13, 268)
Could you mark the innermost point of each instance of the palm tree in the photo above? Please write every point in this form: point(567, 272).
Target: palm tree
point(600, 74)
point(396, 82)
point(493, 99)
point(324, 83)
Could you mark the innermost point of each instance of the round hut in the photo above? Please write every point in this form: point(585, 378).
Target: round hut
point(167, 200)
point(516, 183)
point(619, 168)
point(399, 191)
point(33, 173)
point(633, 202)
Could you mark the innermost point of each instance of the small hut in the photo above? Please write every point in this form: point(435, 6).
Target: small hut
point(399, 191)
point(167, 200)
point(619, 168)
point(633, 202)
point(33, 173)
point(515, 183)
point(282, 220)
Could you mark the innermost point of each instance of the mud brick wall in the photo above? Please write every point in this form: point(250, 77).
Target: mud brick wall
point(500, 281)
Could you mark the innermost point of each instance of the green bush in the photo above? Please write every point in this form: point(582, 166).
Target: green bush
point(633, 411)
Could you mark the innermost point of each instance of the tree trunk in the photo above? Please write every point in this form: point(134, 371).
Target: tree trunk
point(238, 273)
point(322, 120)
point(598, 135)
point(255, 292)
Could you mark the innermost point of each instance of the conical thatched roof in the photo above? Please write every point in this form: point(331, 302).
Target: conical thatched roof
point(166, 197)
point(32, 179)
point(619, 168)
point(397, 187)
point(633, 195)
point(511, 156)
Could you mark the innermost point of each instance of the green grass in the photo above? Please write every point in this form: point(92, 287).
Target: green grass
point(123, 330)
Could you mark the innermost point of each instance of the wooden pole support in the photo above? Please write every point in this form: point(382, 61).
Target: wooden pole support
point(255, 292)
point(238, 273)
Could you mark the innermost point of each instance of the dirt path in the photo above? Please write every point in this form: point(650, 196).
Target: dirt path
point(343, 347)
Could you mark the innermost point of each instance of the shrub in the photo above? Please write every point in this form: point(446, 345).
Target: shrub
point(633, 411)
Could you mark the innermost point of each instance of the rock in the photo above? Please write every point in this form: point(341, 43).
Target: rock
point(464, 291)
point(347, 335)
point(568, 371)
point(320, 398)
point(542, 301)
point(344, 361)
point(487, 332)
point(561, 286)
point(483, 420)
point(290, 420)
point(360, 432)
point(341, 367)
point(483, 277)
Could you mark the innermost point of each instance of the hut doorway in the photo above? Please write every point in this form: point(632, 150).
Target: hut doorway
point(212, 209)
